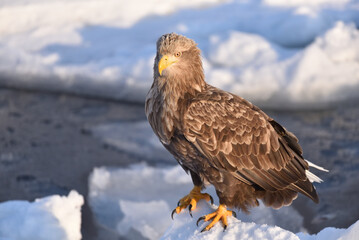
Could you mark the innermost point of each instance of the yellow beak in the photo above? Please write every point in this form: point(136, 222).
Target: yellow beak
point(165, 62)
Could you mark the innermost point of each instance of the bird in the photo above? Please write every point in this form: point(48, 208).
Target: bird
point(221, 139)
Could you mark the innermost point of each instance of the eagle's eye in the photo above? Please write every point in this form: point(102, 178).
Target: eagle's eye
point(178, 54)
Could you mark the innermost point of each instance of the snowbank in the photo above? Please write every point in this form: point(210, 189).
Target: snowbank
point(266, 50)
point(184, 227)
point(141, 198)
point(50, 218)
point(270, 74)
point(331, 233)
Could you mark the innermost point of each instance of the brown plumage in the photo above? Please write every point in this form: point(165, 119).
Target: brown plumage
point(221, 138)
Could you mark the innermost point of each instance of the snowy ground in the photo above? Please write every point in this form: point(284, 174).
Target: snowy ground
point(267, 50)
point(184, 227)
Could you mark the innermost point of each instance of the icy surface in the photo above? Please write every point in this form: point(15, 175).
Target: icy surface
point(351, 233)
point(50, 218)
point(141, 198)
point(267, 51)
point(184, 227)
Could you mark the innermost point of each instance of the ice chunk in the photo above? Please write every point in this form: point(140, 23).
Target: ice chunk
point(51, 218)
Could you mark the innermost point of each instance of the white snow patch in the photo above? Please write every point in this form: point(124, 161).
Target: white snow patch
point(341, 76)
point(184, 227)
point(268, 74)
point(51, 218)
point(142, 194)
point(150, 218)
point(291, 3)
point(241, 50)
point(331, 233)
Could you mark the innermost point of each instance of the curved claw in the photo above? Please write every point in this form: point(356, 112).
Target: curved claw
point(173, 212)
point(179, 202)
point(200, 219)
point(190, 210)
point(204, 229)
point(211, 199)
point(224, 228)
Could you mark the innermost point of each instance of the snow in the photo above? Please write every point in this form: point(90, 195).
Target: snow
point(184, 227)
point(272, 73)
point(331, 233)
point(144, 203)
point(286, 3)
point(51, 218)
point(267, 51)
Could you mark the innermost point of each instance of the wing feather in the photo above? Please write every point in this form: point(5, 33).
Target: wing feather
point(239, 138)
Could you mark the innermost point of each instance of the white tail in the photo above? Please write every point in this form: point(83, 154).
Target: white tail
point(312, 177)
point(316, 166)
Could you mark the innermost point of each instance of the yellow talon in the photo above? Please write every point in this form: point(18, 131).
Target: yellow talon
point(191, 200)
point(220, 214)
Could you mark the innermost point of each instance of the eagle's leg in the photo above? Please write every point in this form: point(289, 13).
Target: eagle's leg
point(193, 197)
point(220, 214)
point(191, 200)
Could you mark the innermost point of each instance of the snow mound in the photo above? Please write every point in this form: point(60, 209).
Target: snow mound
point(338, 53)
point(142, 204)
point(140, 198)
point(184, 227)
point(286, 3)
point(51, 218)
point(241, 50)
point(270, 74)
point(331, 233)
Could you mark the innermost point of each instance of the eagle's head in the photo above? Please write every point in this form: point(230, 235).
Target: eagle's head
point(178, 58)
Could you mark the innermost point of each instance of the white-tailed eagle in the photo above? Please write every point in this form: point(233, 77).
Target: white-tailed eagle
point(220, 138)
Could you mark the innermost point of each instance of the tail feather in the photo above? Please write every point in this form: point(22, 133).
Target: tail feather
point(312, 177)
point(279, 198)
point(306, 188)
point(316, 166)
